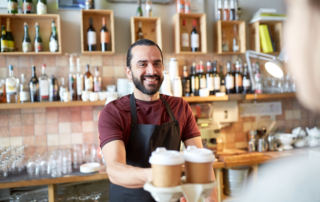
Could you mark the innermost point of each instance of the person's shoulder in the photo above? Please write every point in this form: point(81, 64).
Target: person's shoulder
point(119, 104)
point(174, 100)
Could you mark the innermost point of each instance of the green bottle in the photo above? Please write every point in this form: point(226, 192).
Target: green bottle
point(37, 40)
point(27, 6)
point(26, 43)
point(139, 10)
point(42, 7)
point(4, 44)
point(10, 40)
point(12, 6)
point(53, 42)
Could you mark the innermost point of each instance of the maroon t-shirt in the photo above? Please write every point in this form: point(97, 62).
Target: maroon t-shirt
point(115, 118)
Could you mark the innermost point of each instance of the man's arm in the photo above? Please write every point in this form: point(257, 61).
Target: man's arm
point(119, 172)
point(196, 141)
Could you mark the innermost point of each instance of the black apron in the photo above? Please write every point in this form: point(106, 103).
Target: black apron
point(143, 140)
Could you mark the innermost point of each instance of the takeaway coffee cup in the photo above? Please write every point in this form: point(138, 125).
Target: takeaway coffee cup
point(198, 165)
point(166, 167)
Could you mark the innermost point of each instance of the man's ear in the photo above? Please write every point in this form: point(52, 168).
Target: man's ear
point(129, 73)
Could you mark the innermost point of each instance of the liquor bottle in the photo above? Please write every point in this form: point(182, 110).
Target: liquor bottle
point(226, 13)
point(104, 36)
point(194, 80)
point(43, 85)
point(42, 7)
point(24, 95)
point(220, 12)
point(63, 88)
point(53, 44)
point(257, 77)
point(139, 9)
point(53, 89)
point(202, 77)
point(88, 80)
point(222, 80)
point(37, 40)
point(194, 38)
point(148, 8)
point(4, 42)
point(2, 91)
point(139, 33)
point(216, 78)
point(238, 79)
point(229, 79)
point(235, 40)
point(187, 6)
point(34, 86)
point(232, 10)
point(186, 83)
point(79, 80)
point(97, 81)
point(26, 43)
point(27, 6)
point(10, 40)
point(92, 37)
point(11, 87)
point(209, 78)
point(180, 6)
point(225, 42)
point(246, 80)
point(12, 6)
point(72, 81)
point(184, 37)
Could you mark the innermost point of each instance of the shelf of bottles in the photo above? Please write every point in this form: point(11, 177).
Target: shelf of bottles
point(146, 28)
point(30, 34)
point(230, 37)
point(97, 32)
point(190, 33)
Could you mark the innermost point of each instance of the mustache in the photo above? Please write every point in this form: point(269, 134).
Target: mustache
point(150, 76)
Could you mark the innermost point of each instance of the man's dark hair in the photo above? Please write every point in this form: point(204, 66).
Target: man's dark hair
point(141, 42)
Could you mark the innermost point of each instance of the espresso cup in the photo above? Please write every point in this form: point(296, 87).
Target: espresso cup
point(66, 96)
point(94, 96)
point(85, 96)
point(102, 95)
point(166, 167)
point(198, 165)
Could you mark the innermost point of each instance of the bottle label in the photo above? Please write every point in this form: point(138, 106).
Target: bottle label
point(37, 46)
point(4, 45)
point(88, 84)
point(26, 47)
point(10, 45)
point(222, 88)
point(26, 6)
point(246, 83)
point(44, 88)
point(105, 37)
point(195, 83)
point(186, 87)
point(239, 81)
point(92, 40)
point(33, 89)
point(225, 48)
point(195, 40)
point(79, 84)
point(203, 83)
point(216, 83)
point(24, 96)
point(11, 85)
point(53, 91)
point(229, 82)
point(187, 9)
point(12, 6)
point(185, 40)
point(41, 8)
point(53, 45)
point(210, 84)
point(97, 86)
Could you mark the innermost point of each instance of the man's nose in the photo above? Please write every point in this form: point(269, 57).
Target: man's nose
point(151, 70)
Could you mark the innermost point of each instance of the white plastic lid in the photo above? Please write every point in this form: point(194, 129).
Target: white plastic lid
point(162, 156)
point(198, 155)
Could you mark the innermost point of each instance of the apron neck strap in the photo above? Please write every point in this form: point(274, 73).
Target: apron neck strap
point(134, 114)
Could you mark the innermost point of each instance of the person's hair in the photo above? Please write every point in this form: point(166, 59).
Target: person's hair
point(141, 42)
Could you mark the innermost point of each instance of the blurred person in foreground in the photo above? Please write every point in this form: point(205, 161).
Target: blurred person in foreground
point(296, 179)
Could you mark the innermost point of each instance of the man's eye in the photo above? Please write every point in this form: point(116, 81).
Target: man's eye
point(157, 64)
point(141, 64)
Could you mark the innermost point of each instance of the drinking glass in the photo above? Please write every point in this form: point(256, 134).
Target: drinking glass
point(33, 166)
point(77, 156)
point(3, 170)
point(55, 163)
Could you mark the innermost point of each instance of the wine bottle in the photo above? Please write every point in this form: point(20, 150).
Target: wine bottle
point(148, 8)
point(72, 81)
point(34, 86)
point(257, 77)
point(209, 77)
point(43, 85)
point(216, 78)
point(92, 37)
point(246, 80)
point(184, 37)
point(186, 83)
point(180, 6)
point(238, 79)
point(53, 44)
point(202, 77)
point(194, 80)
point(220, 12)
point(232, 10)
point(97, 81)
point(222, 80)
point(229, 79)
point(42, 7)
point(26, 43)
point(11, 87)
point(88, 80)
point(194, 38)
point(37, 40)
point(140, 33)
point(24, 95)
point(139, 9)
point(4, 42)
point(104, 36)
point(187, 6)
point(27, 6)
point(53, 89)
point(226, 13)
point(12, 6)
point(10, 40)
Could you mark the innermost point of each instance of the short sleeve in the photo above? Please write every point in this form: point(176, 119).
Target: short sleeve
point(190, 129)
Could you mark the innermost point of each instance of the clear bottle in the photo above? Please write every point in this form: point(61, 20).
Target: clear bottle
point(246, 80)
point(225, 42)
point(53, 89)
point(139, 9)
point(24, 95)
point(226, 13)
point(72, 81)
point(11, 87)
point(235, 40)
point(97, 81)
point(43, 85)
point(88, 80)
point(220, 12)
point(216, 78)
point(209, 78)
point(202, 77)
point(139, 33)
point(53, 43)
point(34, 86)
point(37, 39)
point(148, 8)
point(184, 37)
point(63, 88)
point(257, 78)
point(238, 79)
point(229, 79)
point(232, 10)
point(26, 43)
point(42, 7)
point(79, 80)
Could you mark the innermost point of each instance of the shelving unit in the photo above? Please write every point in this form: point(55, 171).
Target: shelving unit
point(228, 28)
point(275, 28)
point(17, 29)
point(151, 28)
point(269, 96)
point(97, 16)
point(201, 28)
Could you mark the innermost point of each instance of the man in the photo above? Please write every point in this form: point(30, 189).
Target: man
point(133, 126)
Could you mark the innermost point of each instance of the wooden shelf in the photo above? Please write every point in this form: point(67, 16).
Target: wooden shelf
point(269, 96)
point(201, 28)
point(17, 29)
point(206, 99)
point(97, 16)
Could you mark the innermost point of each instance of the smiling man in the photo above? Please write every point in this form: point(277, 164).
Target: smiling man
point(133, 126)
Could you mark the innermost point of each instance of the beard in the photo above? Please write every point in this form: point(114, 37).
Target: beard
point(152, 88)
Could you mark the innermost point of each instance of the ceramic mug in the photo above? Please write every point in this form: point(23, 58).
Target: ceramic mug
point(111, 88)
point(85, 96)
point(102, 95)
point(66, 96)
point(93, 96)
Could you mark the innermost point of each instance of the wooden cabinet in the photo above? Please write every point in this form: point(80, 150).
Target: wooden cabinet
point(97, 16)
point(224, 30)
point(275, 30)
point(201, 29)
point(151, 29)
point(17, 29)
